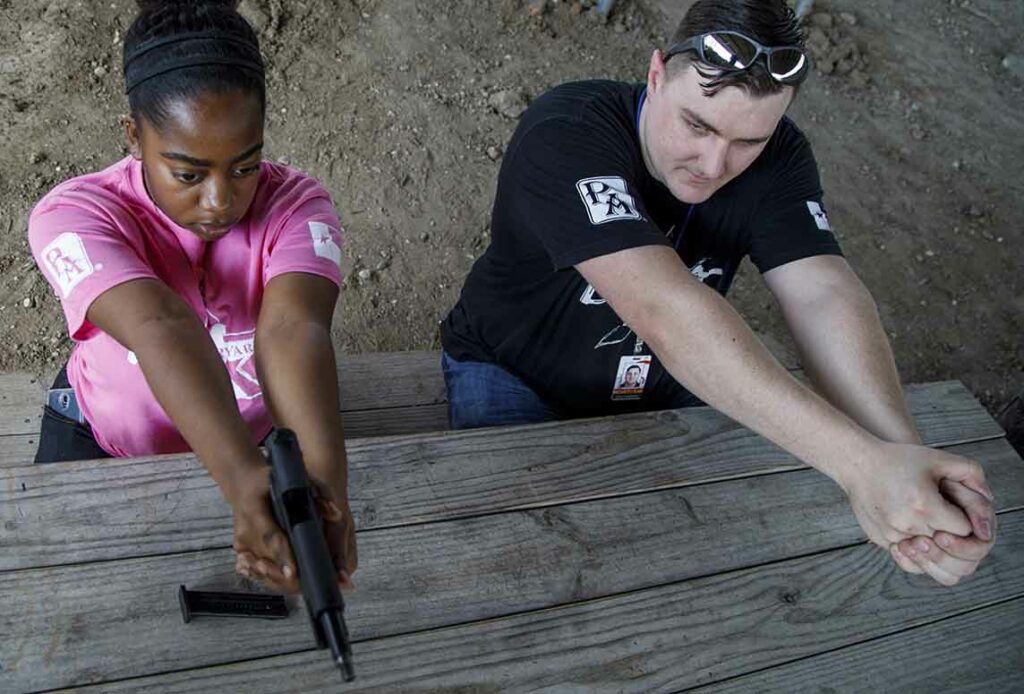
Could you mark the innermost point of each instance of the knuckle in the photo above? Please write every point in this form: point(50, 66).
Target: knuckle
point(915, 501)
point(894, 534)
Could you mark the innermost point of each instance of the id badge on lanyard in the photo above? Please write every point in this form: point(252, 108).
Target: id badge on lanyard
point(633, 370)
point(631, 377)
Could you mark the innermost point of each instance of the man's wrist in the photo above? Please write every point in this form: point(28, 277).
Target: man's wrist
point(857, 460)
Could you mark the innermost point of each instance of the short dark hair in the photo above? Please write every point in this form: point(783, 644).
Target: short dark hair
point(633, 366)
point(769, 22)
point(234, 40)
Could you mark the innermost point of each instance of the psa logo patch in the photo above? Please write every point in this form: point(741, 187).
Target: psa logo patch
point(820, 218)
point(323, 242)
point(67, 262)
point(607, 199)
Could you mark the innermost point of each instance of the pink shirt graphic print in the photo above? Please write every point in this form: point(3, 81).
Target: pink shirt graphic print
point(97, 231)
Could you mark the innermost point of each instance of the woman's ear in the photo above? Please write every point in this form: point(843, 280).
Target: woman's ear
point(132, 136)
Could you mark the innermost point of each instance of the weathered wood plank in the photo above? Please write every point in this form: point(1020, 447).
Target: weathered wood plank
point(945, 412)
point(390, 379)
point(981, 651)
point(368, 382)
point(119, 508)
point(684, 634)
point(21, 402)
point(17, 450)
point(57, 620)
point(374, 389)
point(20, 449)
point(395, 421)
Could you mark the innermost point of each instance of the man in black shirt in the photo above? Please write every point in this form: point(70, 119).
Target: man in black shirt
point(621, 216)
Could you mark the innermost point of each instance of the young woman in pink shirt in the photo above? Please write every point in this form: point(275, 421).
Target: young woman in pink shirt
point(199, 283)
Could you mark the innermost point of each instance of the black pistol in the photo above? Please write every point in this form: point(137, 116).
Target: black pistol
point(296, 512)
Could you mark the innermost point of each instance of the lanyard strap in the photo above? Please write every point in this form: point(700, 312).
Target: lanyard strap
point(686, 222)
point(689, 212)
point(639, 108)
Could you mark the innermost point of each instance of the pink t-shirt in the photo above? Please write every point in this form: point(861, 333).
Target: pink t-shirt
point(94, 232)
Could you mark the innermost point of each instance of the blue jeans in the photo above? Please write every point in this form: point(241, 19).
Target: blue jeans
point(64, 433)
point(486, 395)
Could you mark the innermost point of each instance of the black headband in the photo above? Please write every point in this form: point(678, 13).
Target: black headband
point(134, 75)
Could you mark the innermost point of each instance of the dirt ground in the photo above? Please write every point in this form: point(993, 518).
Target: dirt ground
point(403, 108)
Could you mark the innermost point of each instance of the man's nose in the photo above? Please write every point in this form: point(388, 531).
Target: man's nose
point(713, 158)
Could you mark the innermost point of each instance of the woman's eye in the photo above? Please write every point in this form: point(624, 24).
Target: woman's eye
point(695, 127)
point(187, 176)
point(247, 170)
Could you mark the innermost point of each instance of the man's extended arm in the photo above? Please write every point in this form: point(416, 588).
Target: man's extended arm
point(844, 350)
point(705, 345)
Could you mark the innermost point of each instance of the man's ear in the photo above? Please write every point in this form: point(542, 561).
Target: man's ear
point(657, 72)
point(132, 136)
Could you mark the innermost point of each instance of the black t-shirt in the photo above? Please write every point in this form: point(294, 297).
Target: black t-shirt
point(573, 186)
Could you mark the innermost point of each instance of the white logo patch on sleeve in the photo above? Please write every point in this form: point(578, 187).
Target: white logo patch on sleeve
point(820, 218)
point(67, 262)
point(607, 199)
point(323, 243)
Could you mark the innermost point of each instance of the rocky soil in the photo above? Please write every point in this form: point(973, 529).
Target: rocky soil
point(403, 108)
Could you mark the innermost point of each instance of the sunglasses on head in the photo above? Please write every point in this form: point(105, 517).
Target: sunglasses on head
point(732, 52)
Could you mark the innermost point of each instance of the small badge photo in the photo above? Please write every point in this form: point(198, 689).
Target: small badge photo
point(631, 377)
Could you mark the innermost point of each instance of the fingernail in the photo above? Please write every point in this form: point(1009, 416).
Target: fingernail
point(987, 491)
point(287, 570)
point(986, 530)
point(922, 545)
point(344, 578)
point(944, 540)
point(909, 550)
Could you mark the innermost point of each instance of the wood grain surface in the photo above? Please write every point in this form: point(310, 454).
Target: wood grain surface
point(648, 552)
point(20, 449)
point(57, 620)
point(96, 510)
point(392, 392)
point(873, 627)
point(980, 651)
point(367, 382)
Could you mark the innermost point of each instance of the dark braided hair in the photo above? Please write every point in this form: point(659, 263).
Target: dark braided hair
point(167, 33)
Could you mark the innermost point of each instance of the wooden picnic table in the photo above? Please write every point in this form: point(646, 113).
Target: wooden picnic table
point(652, 552)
